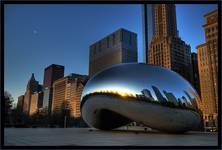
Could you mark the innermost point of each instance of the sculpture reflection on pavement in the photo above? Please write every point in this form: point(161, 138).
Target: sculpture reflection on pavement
point(154, 96)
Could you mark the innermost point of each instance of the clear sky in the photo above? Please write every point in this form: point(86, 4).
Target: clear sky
point(39, 35)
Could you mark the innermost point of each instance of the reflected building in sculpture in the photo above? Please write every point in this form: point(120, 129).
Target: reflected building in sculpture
point(170, 97)
point(117, 96)
point(118, 47)
point(158, 94)
point(147, 94)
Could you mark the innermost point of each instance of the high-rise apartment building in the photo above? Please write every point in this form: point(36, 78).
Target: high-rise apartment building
point(67, 93)
point(36, 102)
point(203, 69)
point(52, 73)
point(208, 69)
point(167, 49)
point(32, 86)
point(195, 74)
point(77, 88)
point(118, 47)
point(20, 103)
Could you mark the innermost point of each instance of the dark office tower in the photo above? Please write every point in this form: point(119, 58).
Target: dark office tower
point(118, 47)
point(32, 86)
point(167, 49)
point(195, 74)
point(148, 27)
point(20, 103)
point(51, 74)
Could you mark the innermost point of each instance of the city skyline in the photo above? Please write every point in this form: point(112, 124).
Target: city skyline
point(34, 33)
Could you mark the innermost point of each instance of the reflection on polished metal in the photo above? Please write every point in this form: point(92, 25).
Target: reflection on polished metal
point(154, 96)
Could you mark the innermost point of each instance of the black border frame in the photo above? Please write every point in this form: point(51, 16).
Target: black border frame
point(3, 2)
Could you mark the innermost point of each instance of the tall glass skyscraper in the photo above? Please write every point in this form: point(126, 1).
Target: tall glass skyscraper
point(51, 73)
point(148, 28)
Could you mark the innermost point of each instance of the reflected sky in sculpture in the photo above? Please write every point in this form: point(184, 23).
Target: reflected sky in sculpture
point(158, 83)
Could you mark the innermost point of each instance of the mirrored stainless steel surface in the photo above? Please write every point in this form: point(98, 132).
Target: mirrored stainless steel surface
point(141, 80)
point(142, 83)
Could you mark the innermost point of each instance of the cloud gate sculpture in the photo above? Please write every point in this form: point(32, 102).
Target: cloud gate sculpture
point(135, 92)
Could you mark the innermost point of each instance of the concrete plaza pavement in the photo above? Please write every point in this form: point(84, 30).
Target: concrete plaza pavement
point(93, 137)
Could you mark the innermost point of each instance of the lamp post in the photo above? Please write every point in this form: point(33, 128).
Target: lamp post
point(66, 111)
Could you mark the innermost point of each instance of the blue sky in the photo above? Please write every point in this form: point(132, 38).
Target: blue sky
point(39, 35)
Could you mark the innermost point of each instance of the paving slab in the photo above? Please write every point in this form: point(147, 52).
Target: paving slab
point(93, 137)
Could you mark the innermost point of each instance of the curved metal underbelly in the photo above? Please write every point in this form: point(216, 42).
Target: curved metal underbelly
point(105, 112)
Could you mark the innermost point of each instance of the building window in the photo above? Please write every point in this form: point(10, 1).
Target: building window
point(100, 46)
point(208, 30)
point(107, 42)
point(114, 39)
point(121, 34)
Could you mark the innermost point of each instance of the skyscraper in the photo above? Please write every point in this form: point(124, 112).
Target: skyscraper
point(52, 73)
point(208, 69)
point(118, 47)
point(195, 74)
point(32, 86)
point(47, 96)
point(66, 94)
point(165, 20)
point(36, 102)
point(20, 103)
point(148, 27)
point(167, 49)
point(77, 88)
